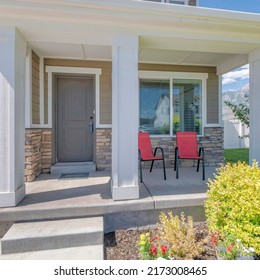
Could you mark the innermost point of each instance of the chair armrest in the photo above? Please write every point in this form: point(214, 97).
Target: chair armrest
point(159, 148)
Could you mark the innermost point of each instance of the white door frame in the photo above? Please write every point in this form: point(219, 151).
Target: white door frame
point(73, 70)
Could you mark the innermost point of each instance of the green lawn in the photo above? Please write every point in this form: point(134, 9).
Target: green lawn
point(235, 155)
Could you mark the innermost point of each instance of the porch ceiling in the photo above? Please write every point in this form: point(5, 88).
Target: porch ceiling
point(168, 33)
point(146, 55)
point(72, 51)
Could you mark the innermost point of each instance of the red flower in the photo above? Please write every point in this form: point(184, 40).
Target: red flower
point(213, 239)
point(153, 250)
point(229, 248)
point(163, 249)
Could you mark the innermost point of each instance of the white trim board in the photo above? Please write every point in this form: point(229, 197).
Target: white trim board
point(169, 75)
point(74, 70)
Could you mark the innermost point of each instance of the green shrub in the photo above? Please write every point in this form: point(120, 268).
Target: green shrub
point(233, 204)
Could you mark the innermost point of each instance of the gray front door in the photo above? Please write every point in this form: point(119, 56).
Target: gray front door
point(75, 98)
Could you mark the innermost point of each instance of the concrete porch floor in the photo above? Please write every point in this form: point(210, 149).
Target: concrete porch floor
point(52, 198)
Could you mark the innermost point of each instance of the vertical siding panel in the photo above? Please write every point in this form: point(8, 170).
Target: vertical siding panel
point(35, 89)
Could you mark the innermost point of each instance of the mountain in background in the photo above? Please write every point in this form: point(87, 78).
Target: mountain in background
point(235, 97)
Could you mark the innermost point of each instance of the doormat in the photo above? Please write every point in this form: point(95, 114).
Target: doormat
point(74, 175)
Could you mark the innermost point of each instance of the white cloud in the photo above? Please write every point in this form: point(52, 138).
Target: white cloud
point(235, 76)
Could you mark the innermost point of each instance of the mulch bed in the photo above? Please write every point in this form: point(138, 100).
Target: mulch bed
point(121, 244)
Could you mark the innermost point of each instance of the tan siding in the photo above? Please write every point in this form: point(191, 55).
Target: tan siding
point(105, 82)
point(212, 99)
point(177, 68)
point(106, 95)
point(45, 98)
point(35, 89)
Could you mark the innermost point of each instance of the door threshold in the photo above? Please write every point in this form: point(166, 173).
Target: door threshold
point(74, 163)
point(73, 167)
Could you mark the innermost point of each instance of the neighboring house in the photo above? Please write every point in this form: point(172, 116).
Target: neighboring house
point(162, 113)
point(75, 79)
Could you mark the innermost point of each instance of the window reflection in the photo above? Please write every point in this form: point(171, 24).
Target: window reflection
point(155, 106)
point(155, 101)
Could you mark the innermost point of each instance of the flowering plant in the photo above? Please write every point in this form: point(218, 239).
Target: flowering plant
point(152, 248)
point(229, 248)
point(233, 203)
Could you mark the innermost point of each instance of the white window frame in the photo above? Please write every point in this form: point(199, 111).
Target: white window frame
point(185, 2)
point(165, 75)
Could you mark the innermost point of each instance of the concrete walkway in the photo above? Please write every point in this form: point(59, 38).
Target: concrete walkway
point(50, 197)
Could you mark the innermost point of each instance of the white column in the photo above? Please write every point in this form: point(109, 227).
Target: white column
point(125, 118)
point(254, 87)
point(12, 116)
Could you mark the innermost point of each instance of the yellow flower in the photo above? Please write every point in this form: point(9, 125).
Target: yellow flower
point(142, 236)
point(142, 243)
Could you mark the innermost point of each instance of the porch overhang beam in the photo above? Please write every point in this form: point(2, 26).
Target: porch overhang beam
point(84, 22)
point(232, 63)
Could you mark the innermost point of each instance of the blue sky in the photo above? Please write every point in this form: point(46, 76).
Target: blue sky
point(252, 6)
point(238, 78)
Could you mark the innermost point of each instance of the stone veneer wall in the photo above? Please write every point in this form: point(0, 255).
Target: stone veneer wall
point(103, 149)
point(212, 142)
point(38, 150)
point(37, 153)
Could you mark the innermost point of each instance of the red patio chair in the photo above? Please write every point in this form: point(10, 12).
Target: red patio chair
point(187, 148)
point(146, 152)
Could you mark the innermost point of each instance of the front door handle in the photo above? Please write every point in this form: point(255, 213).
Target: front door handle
point(91, 125)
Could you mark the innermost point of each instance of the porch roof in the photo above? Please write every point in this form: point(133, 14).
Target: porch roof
point(175, 34)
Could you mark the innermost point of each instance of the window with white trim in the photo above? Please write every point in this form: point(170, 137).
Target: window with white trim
point(168, 105)
point(180, 2)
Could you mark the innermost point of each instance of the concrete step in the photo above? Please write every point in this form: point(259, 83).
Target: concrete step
point(49, 235)
point(73, 167)
point(90, 252)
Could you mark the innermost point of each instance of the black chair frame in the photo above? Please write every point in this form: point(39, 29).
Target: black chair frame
point(151, 168)
point(201, 154)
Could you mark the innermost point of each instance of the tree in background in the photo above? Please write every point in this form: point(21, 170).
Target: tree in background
point(240, 111)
